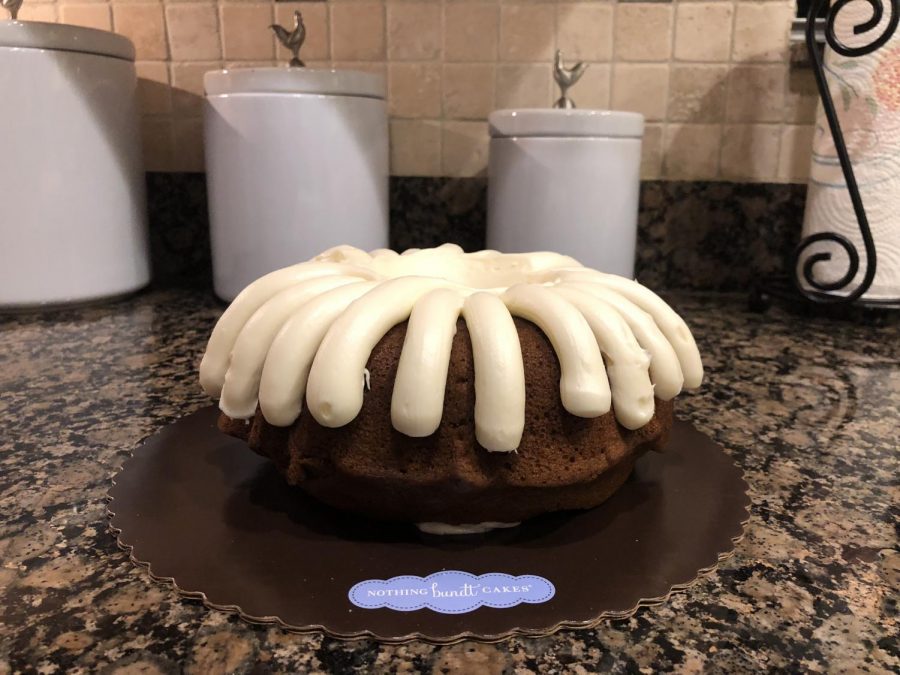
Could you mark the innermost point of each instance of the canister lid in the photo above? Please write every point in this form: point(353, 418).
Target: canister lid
point(60, 37)
point(287, 80)
point(557, 122)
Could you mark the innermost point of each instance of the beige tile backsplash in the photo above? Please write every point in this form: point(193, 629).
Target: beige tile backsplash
point(712, 77)
point(703, 31)
point(89, 15)
point(691, 151)
point(193, 31)
point(643, 31)
point(245, 31)
point(413, 31)
point(749, 151)
point(641, 87)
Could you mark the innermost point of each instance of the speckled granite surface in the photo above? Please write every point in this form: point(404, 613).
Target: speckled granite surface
point(697, 235)
point(808, 408)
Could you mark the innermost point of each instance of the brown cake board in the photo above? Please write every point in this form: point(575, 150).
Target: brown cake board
point(202, 512)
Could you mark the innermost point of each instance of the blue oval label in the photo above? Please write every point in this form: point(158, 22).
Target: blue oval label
point(451, 592)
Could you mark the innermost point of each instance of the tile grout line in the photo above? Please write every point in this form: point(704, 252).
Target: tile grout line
point(613, 60)
point(170, 74)
point(493, 97)
point(785, 88)
point(554, 46)
point(664, 141)
point(671, 66)
point(728, 88)
point(220, 25)
point(443, 26)
point(330, 17)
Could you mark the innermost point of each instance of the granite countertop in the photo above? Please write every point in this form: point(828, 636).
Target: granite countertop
point(807, 407)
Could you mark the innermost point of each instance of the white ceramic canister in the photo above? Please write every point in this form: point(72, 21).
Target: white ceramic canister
point(72, 193)
point(297, 162)
point(566, 181)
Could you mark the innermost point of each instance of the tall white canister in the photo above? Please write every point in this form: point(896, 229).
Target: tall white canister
point(566, 180)
point(297, 162)
point(72, 203)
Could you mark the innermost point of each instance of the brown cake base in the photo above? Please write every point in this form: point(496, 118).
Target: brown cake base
point(563, 462)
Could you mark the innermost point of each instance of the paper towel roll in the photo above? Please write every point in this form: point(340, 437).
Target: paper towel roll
point(866, 94)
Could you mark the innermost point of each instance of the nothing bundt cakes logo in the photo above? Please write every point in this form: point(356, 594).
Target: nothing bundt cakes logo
point(451, 592)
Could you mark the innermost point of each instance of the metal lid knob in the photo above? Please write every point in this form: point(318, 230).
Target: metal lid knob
point(12, 6)
point(292, 39)
point(566, 79)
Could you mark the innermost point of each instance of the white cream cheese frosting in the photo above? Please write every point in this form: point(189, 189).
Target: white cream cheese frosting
point(306, 333)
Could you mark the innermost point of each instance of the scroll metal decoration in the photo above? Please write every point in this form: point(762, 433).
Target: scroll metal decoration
point(823, 291)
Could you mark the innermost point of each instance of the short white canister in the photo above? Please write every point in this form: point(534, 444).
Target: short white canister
point(72, 194)
point(297, 162)
point(566, 181)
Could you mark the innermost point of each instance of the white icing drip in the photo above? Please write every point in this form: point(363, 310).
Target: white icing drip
point(627, 364)
point(471, 528)
point(499, 373)
point(333, 394)
point(583, 386)
point(284, 376)
point(417, 402)
point(673, 326)
point(218, 352)
point(241, 389)
point(308, 330)
point(665, 371)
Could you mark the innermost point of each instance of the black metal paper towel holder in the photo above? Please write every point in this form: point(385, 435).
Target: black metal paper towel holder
point(815, 291)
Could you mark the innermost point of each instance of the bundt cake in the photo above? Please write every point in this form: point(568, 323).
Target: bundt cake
point(459, 391)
